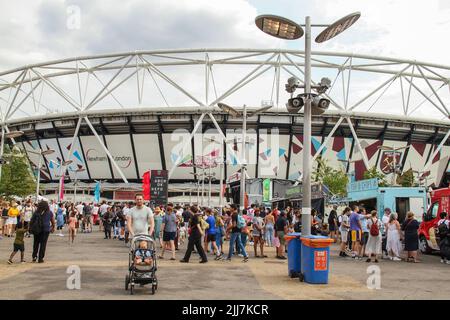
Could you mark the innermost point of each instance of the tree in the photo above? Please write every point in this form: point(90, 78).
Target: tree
point(406, 179)
point(374, 173)
point(17, 178)
point(335, 180)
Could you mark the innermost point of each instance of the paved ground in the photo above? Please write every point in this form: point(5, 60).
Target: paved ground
point(103, 265)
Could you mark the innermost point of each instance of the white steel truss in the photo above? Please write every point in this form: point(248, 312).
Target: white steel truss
point(201, 78)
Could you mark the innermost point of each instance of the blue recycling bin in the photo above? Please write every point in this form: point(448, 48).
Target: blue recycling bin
point(315, 256)
point(294, 247)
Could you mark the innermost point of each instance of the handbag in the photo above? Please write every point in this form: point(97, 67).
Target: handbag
point(276, 242)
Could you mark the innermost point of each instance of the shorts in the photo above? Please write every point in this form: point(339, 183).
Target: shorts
point(356, 235)
point(11, 220)
point(332, 227)
point(211, 237)
point(280, 236)
point(365, 238)
point(19, 247)
point(169, 236)
point(344, 236)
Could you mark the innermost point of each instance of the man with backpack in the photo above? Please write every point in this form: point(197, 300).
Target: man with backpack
point(237, 223)
point(41, 224)
point(87, 213)
point(444, 237)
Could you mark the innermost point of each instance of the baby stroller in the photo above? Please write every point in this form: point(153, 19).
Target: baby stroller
point(142, 273)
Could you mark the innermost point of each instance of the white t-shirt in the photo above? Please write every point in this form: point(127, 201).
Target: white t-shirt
point(95, 210)
point(385, 221)
point(139, 218)
point(80, 208)
point(126, 211)
point(345, 219)
point(103, 209)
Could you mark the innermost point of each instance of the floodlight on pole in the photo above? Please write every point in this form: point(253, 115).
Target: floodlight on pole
point(286, 29)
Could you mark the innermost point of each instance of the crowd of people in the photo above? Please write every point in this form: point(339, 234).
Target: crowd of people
point(361, 234)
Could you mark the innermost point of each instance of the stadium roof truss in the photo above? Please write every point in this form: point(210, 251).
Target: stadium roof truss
point(194, 81)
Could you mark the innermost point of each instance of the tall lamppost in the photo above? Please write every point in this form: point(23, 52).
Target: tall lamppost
point(234, 113)
point(283, 28)
point(394, 159)
point(7, 135)
point(41, 154)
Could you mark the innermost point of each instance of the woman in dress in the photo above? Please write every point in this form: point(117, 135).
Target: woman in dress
point(411, 227)
point(373, 246)
point(60, 219)
point(393, 244)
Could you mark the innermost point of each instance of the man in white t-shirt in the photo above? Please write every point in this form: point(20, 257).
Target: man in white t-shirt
point(80, 208)
point(384, 226)
point(140, 218)
point(344, 228)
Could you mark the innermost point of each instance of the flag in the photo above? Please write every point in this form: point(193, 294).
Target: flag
point(97, 192)
point(61, 189)
point(146, 185)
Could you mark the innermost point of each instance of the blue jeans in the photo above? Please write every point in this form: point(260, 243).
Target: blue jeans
point(236, 236)
point(269, 234)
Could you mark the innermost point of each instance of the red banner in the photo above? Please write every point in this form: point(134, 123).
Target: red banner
point(146, 185)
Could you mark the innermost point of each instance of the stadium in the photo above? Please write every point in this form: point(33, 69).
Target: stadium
point(116, 116)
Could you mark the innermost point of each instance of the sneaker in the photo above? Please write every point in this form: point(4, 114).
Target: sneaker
point(368, 260)
point(203, 261)
point(183, 261)
point(245, 259)
point(10, 262)
point(23, 261)
point(443, 261)
point(396, 259)
point(240, 255)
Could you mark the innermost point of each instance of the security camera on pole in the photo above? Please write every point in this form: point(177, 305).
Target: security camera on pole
point(283, 28)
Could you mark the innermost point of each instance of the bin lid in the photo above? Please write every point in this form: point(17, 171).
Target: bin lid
point(316, 241)
point(294, 234)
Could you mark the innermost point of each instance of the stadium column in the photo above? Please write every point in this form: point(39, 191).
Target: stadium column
point(133, 149)
point(161, 144)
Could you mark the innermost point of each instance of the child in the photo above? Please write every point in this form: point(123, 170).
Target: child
point(143, 255)
point(19, 244)
point(72, 226)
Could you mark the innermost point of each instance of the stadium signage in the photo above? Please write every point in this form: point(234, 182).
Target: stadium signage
point(363, 185)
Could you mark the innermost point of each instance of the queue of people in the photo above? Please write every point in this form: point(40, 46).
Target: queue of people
point(362, 235)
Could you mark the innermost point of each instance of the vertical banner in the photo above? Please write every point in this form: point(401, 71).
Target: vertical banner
point(159, 187)
point(146, 185)
point(266, 190)
point(97, 192)
point(61, 189)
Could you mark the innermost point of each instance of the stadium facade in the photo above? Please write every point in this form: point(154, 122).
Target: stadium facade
point(112, 115)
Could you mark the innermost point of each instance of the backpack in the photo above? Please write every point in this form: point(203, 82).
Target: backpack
point(87, 210)
point(203, 224)
point(374, 229)
point(240, 221)
point(36, 223)
point(443, 230)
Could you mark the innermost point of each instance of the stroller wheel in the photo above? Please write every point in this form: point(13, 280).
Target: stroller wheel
point(153, 289)
point(127, 281)
point(131, 289)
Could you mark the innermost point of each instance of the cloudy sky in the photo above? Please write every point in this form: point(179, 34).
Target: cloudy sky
point(34, 31)
point(42, 30)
